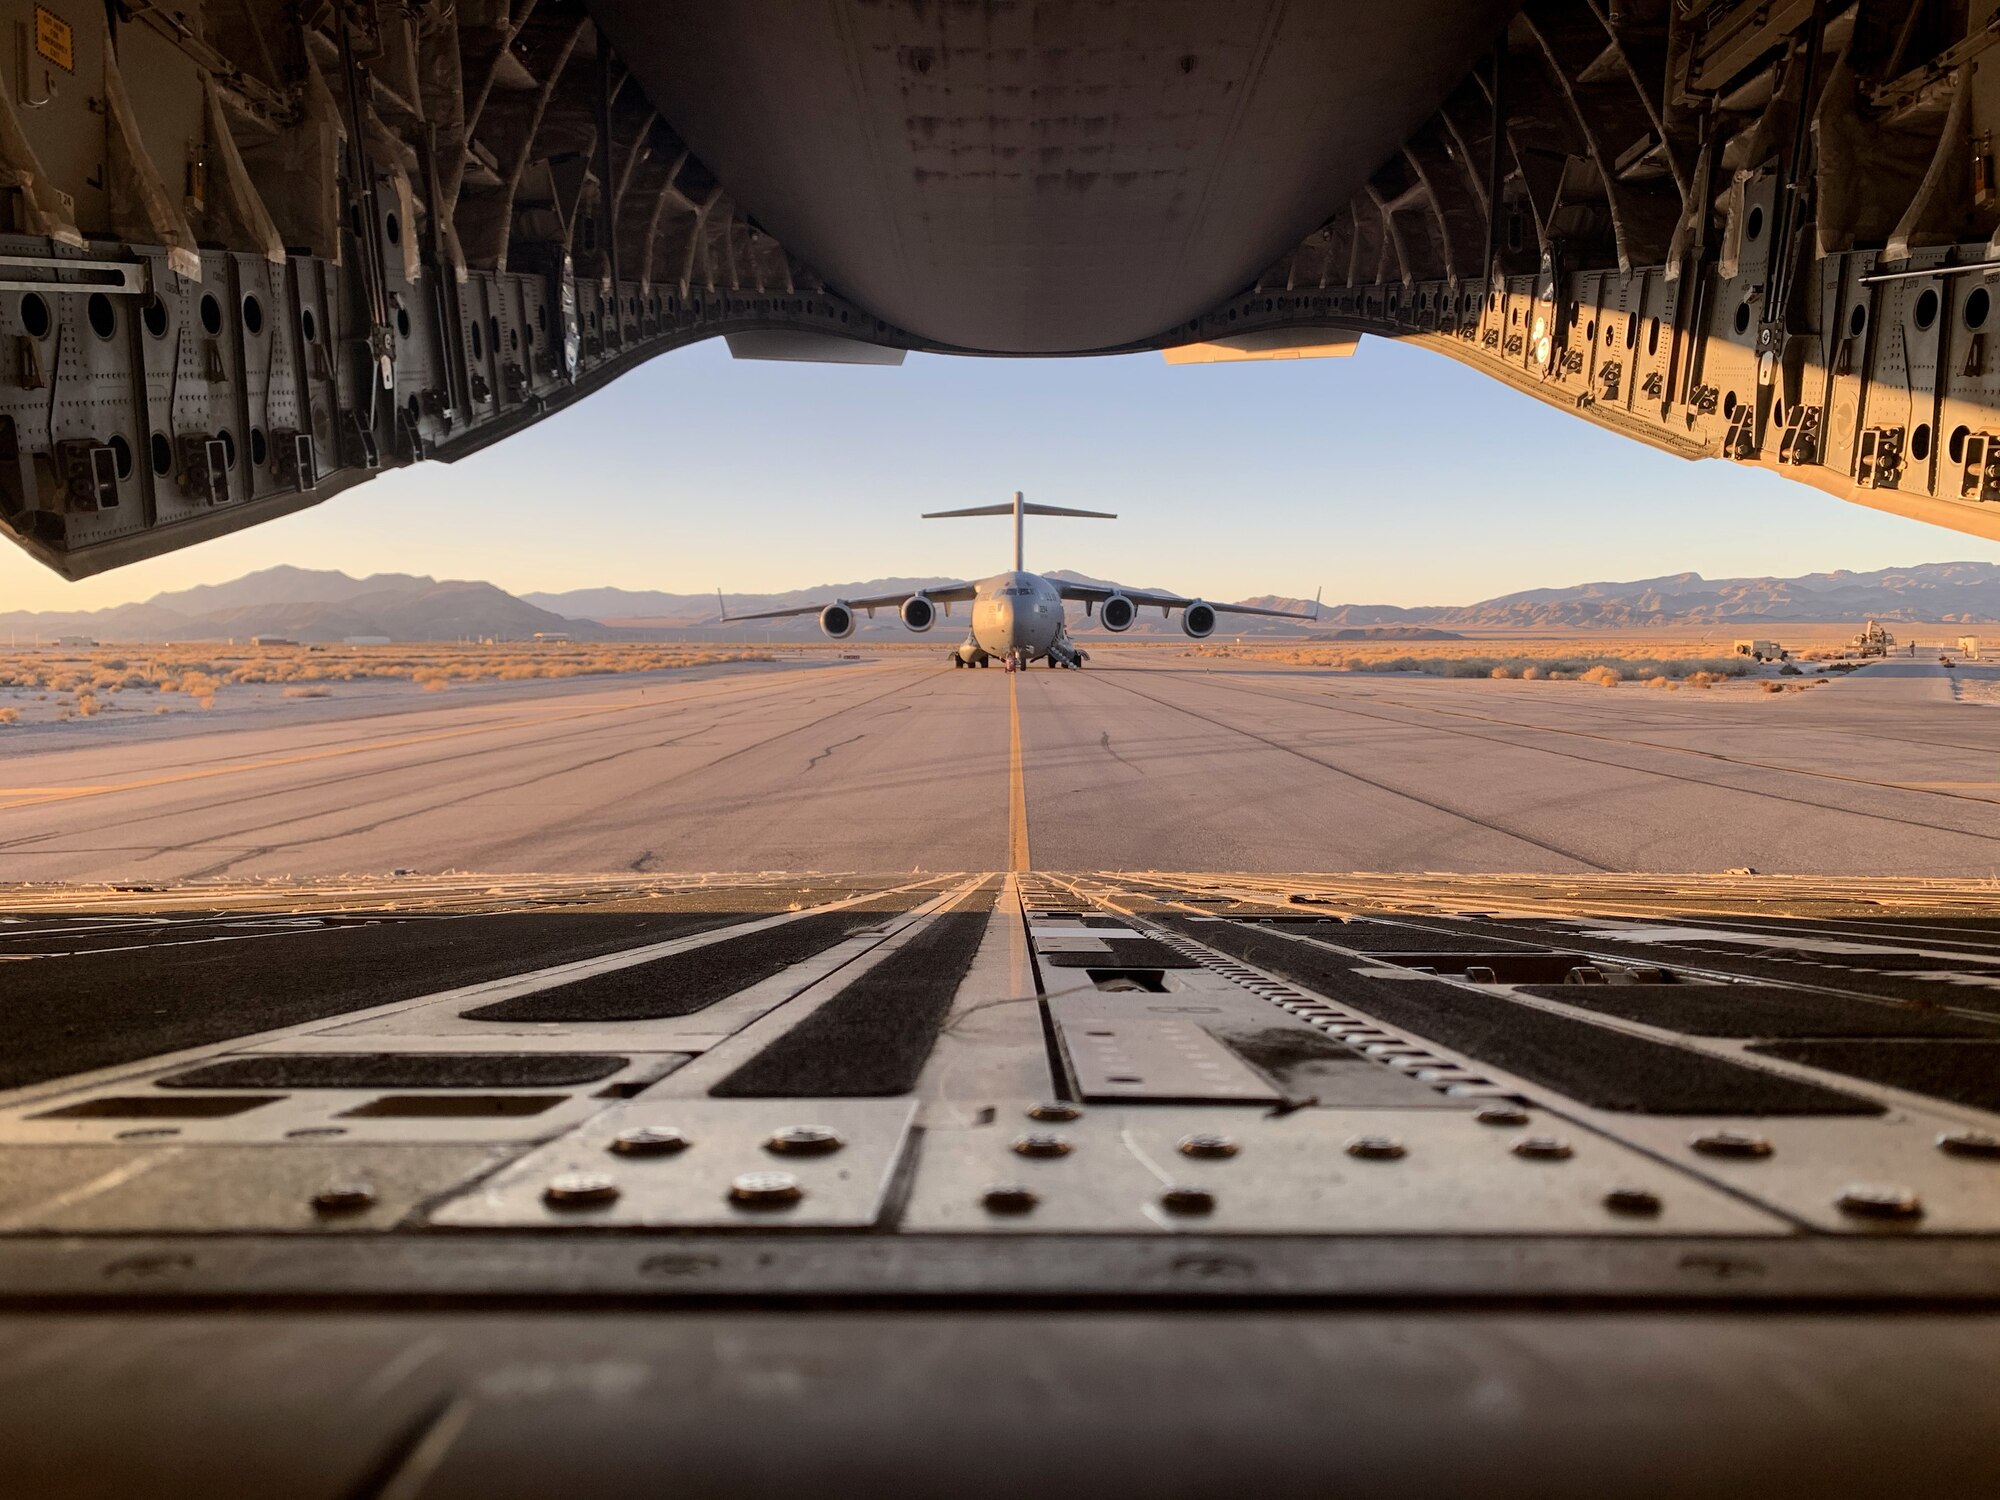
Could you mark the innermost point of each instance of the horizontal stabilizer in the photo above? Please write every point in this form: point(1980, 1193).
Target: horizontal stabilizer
point(1026, 510)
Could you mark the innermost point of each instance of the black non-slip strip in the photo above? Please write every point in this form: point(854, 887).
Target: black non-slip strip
point(1126, 953)
point(1380, 937)
point(1758, 1010)
point(398, 1070)
point(63, 1015)
point(682, 983)
point(1592, 1064)
point(1964, 1072)
point(1833, 974)
point(874, 1036)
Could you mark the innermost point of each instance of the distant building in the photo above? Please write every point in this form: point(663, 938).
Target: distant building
point(552, 637)
point(272, 640)
point(75, 640)
point(365, 640)
point(1968, 647)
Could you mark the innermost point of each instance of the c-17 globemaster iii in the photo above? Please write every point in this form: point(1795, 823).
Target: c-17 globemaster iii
point(1018, 616)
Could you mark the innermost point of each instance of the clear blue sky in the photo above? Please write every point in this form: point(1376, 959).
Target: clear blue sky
point(1394, 477)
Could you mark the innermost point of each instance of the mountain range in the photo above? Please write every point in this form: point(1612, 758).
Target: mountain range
point(320, 605)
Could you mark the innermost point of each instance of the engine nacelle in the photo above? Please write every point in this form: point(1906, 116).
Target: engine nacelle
point(1117, 613)
point(837, 620)
point(1198, 619)
point(918, 613)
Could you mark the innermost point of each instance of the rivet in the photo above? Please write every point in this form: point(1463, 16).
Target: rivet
point(804, 1140)
point(1542, 1147)
point(1375, 1147)
point(1055, 1112)
point(1501, 1114)
point(1632, 1200)
point(1736, 1143)
point(1969, 1143)
point(1009, 1198)
point(343, 1198)
point(1869, 1200)
point(1208, 1145)
point(1182, 1199)
point(649, 1140)
point(580, 1190)
point(1041, 1143)
point(766, 1190)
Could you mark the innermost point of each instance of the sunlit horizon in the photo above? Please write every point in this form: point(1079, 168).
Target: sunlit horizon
point(1396, 477)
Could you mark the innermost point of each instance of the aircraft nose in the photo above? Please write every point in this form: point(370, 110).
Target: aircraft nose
point(1003, 617)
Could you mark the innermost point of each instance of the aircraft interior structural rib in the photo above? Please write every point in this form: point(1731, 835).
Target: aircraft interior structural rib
point(254, 253)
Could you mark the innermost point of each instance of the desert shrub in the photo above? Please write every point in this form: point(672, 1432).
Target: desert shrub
point(10, 715)
point(308, 692)
point(1533, 674)
point(1601, 674)
point(1501, 671)
point(86, 704)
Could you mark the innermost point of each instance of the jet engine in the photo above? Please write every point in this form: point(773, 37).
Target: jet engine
point(918, 613)
point(1117, 613)
point(1198, 619)
point(837, 620)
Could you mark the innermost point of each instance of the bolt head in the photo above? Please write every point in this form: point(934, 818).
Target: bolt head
point(1375, 1147)
point(1636, 1201)
point(580, 1190)
point(649, 1140)
point(1009, 1198)
point(1207, 1145)
point(765, 1190)
point(1055, 1112)
point(1543, 1148)
point(1970, 1143)
point(804, 1140)
point(1042, 1143)
point(1184, 1199)
point(1877, 1200)
point(343, 1198)
point(1740, 1144)
point(1501, 1114)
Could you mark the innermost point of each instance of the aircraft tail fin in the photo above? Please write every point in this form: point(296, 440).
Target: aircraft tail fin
point(1017, 510)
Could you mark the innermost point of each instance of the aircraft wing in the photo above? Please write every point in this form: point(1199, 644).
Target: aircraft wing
point(1167, 603)
point(945, 593)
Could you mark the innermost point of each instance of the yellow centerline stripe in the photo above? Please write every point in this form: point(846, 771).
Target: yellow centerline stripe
point(1017, 787)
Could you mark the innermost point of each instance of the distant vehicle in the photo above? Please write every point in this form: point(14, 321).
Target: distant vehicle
point(1018, 616)
point(1873, 641)
point(1762, 650)
point(551, 637)
point(76, 640)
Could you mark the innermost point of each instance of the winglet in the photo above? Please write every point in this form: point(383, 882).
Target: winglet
point(1316, 593)
point(724, 608)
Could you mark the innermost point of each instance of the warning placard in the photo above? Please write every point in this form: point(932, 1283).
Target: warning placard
point(55, 39)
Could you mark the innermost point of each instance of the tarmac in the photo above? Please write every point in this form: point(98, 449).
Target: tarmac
point(895, 763)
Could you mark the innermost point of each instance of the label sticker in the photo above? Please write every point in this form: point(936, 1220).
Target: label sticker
point(55, 39)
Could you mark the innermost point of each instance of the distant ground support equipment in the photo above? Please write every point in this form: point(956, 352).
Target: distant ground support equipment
point(1873, 640)
point(1761, 650)
point(272, 640)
